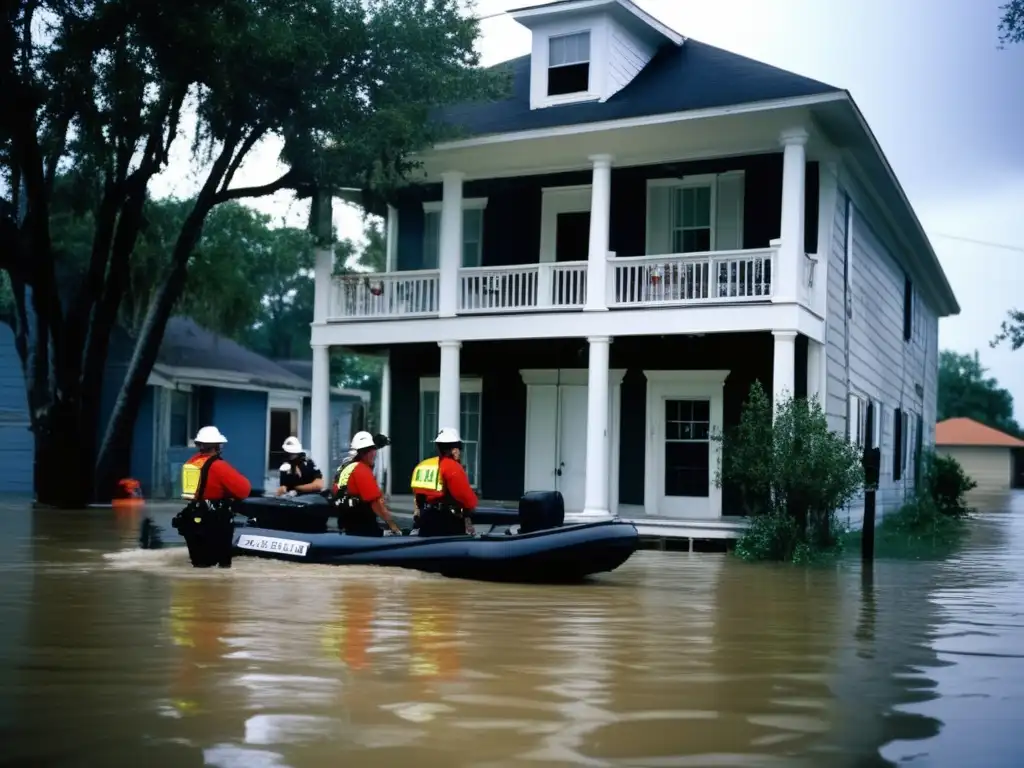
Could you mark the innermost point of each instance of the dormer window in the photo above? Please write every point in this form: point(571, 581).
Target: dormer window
point(569, 64)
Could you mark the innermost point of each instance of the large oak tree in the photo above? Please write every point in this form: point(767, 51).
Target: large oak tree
point(103, 89)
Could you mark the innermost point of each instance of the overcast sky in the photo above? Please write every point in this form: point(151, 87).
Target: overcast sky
point(944, 102)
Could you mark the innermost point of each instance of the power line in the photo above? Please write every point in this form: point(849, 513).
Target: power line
point(989, 243)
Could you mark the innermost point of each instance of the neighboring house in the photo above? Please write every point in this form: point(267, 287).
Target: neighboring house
point(589, 280)
point(199, 378)
point(989, 456)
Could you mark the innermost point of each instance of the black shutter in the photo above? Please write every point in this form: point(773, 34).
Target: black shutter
point(908, 308)
point(917, 451)
point(897, 445)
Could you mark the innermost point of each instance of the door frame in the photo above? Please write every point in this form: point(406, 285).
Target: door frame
point(577, 377)
point(556, 200)
point(282, 400)
point(661, 385)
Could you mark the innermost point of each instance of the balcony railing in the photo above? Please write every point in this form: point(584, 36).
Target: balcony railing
point(635, 281)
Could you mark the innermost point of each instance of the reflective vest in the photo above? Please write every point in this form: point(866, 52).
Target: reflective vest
point(344, 473)
point(194, 473)
point(427, 476)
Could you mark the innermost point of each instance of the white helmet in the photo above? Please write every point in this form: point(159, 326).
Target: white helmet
point(210, 436)
point(361, 441)
point(292, 445)
point(448, 436)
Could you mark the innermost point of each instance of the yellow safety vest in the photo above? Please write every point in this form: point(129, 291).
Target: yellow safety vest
point(427, 476)
point(192, 475)
point(344, 475)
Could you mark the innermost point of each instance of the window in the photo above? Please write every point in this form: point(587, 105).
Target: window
point(472, 233)
point(899, 444)
point(687, 447)
point(908, 308)
point(182, 427)
point(856, 416)
point(569, 64)
point(469, 423)
point(691, 219)
point(284, 423)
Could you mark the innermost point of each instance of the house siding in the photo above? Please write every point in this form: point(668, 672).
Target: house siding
point(512, 219)
point(242, 416)
point(882, 365)
point(627, 55)
point(748, 357)
point(17, 447)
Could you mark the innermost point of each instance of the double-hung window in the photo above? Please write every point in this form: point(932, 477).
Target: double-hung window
point(469, 423)
point(472, 233)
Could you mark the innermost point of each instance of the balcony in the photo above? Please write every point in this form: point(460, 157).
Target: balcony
point(673, 280)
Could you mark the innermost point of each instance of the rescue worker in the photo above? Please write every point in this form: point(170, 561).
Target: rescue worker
point(207, 476)
point(299, 474)
point(358, 497)
point(380, 441)
point(444, 498)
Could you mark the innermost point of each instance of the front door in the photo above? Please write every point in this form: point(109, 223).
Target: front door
point(572, 236)
point(556, 440)
point(686, 473)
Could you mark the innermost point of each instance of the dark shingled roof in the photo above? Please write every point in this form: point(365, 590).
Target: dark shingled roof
point(679, 78)
point(186, 344)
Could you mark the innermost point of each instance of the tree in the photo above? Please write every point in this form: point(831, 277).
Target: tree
point(106, 87)
point(1011, 24)
point(965, 391)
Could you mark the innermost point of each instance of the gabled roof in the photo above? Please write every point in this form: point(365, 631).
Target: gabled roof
point(679, 78)
point(625, 12)
point(964, 431)
point(304, 370)
point(187, 345)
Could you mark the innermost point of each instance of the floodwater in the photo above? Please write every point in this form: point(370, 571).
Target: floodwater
point(114, 656)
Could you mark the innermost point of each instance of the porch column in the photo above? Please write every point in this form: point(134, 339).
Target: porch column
point(600, 218)
point(449, 387)
point(595, 499)
point(784, 371)
point(384, 457)
point(816, 371)
point(791, 253)
point(320, 410)
point(450, 243)
point(391, 240)
point(323, 259)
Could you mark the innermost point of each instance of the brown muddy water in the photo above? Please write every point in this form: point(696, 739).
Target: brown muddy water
point(113, 656)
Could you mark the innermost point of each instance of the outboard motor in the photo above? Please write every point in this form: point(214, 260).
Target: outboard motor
point(540, 510)
point(208, 530)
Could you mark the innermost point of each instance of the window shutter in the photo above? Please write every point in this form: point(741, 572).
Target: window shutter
point(431, 239)
point(897, 442)
point(729, 212)
point(659, 220)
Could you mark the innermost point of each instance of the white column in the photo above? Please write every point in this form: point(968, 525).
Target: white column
point(450, 243)
point(384, 457)
point(320, 410)
point(600, 224)
point(816, 371)
point(323, 269)
point(784, 370)
point(391, 239)
point(449, 388)
point(791, 254)
point(595, 500)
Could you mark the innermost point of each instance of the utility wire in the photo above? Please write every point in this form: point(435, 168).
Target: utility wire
point(989, 243)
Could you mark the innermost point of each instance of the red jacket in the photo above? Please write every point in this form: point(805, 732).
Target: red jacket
point(222, 480)
point(456, 485)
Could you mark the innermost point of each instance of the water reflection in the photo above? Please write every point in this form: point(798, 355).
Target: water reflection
point(673, 660)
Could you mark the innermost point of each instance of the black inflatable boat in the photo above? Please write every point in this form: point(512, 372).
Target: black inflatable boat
point(534, 547)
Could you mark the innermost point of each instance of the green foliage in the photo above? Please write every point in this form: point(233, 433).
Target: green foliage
point(1011, 30)
point(964, 390)
point(933, 520)
point(792, 474)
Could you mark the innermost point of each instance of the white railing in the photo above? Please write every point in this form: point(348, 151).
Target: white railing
point(732, 276)
point(522, 288)
point(379, 295)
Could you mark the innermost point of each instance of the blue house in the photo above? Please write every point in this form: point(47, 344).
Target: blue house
point(199, 378)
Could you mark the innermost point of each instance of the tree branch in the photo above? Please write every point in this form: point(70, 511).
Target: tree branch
point(250, 141)
point(284, 182)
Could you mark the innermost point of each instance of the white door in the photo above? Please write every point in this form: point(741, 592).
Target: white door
point(572, 446)
point(684, 450)
point(556, 442)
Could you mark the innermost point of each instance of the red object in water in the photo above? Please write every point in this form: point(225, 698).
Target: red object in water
point(128, 494)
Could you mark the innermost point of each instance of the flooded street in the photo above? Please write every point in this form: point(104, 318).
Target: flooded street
point(111, 655)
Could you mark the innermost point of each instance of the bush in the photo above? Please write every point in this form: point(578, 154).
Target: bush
point(792, 473)
point(933, 518)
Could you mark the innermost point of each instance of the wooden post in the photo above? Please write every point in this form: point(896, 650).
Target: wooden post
point(871, 462)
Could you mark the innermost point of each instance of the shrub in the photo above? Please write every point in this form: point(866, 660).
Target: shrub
point(945, 483)
point(792, 473)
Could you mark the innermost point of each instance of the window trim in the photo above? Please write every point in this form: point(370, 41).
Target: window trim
point(589, 61)
point(468, 204)
point(191, 415)
point(696, 181)
point(467, 385)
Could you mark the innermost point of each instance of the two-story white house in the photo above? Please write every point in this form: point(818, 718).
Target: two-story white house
point(588, 282)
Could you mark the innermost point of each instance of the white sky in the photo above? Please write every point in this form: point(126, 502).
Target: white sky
point(945, 103)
